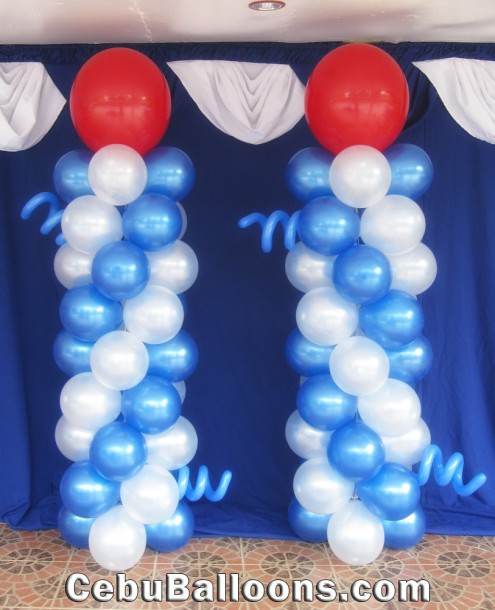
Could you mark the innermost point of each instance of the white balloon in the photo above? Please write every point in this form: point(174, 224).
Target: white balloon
point(306, 269)
point(392, 410)
point(180, 386)
point(184, 219)
point(359, 366)
point(414, 271)
point(86, 403)
point(326, 318)
point(88, 224)
point(360, 176)
point(155, 315)
point(356, 536)
point(394, 225)
point(119, 360)
point(304, 440)
point(73, 441)
point(116, 540)
point(72, 267)
point(175, 267)
point(319, 488)
point(117, 174)
point(151, 496)
point(407, 449)
point(173, 448)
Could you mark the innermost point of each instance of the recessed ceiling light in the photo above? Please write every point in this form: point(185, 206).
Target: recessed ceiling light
point(266, 6)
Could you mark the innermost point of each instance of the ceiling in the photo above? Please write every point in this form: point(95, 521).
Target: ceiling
point(133, 21)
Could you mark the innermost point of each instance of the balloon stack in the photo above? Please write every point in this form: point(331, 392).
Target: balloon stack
point(125, 268)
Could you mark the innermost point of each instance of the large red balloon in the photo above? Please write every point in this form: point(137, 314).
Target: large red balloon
point(357, 94)
point(120, 97)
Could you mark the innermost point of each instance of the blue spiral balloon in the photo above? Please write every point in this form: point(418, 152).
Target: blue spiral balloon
point(73, 529)
point(173, 533)
point(309, 526)
point(412, 170)
point(70, 175)
point(174, 360)
point(118, 451)
point(306, 358)
point(323, 405)
point(203, 485)
point(308, 173)
point(170, 172)
point(71, 355)
point(405, 533)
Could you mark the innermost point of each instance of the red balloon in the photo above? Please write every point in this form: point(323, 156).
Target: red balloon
point(120, 97)
point(357, 94)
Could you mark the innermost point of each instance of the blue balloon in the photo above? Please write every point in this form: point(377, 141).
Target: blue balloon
point(175, 360)
point(406, 532)
point(328, 226)
point(87, 314)
point(118, 451)
point(70, 175)
point(151, 406)
point(85, 492)
point(393, 321)
point(392, 493)
point(173, 533)
point(412, 170)
point(308, 173)
point(120, 270)
point(152, 221)
point(323, 405)
point(356, 451)
point(411, 362)
point(309, 526)
point(72, 355)
point(306, 358)
point(362, 274)
point(73, 529)
point(170, 172)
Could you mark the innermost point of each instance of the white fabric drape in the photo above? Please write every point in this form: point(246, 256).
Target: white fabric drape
point(467, 89)
point(29, 104)
point(252, 102)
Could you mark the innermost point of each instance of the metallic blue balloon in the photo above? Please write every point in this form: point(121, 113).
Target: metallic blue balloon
point(406, 532)
point(172, 534)
point(73, 529)
point(174, 360)
point(170, 172)
point(120, 270)
point(87, 314)
point(309, 526)
point(323, 405)
point(152, 221)
point(71, 355)
point(356, 451)
point(393, 321)
point(328, 226)
point(412, 170)
point(152, 406)
point(411, 362)
point(308, 173)
point(304, 357)
point(362, 274)
point(70, 175)
point(118, 451)
point(392, 493)
point(85, 492)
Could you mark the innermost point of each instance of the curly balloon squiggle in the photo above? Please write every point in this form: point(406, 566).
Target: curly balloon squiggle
point(54, 217)
point(203, 486)
point(268, 226)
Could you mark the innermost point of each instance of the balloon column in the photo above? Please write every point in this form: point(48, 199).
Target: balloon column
point(125, 268)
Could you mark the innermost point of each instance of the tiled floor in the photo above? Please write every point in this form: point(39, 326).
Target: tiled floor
point(34, 567)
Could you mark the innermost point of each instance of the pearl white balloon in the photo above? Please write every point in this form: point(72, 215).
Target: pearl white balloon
point(116, 540)
point(360, 176)
point(407, 449)
point(325, 318)
point(88, 224)
point(117, 174)
point(173, 448)
point(73, 441)
point(359, 366)
point(119, 360)
point(175, 267)
point(86, 403)
point(306, 269)
point(184, 219)
point(414, 271)
point(72, 267)
point(155, 315)
point(393, 410)
point(319, 488)
point(304, 440)
point(151, 496)
point(356, 535)
point(394, 225)
point(180, 386)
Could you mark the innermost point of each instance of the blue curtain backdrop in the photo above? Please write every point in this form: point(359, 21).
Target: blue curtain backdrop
point(242, 307)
